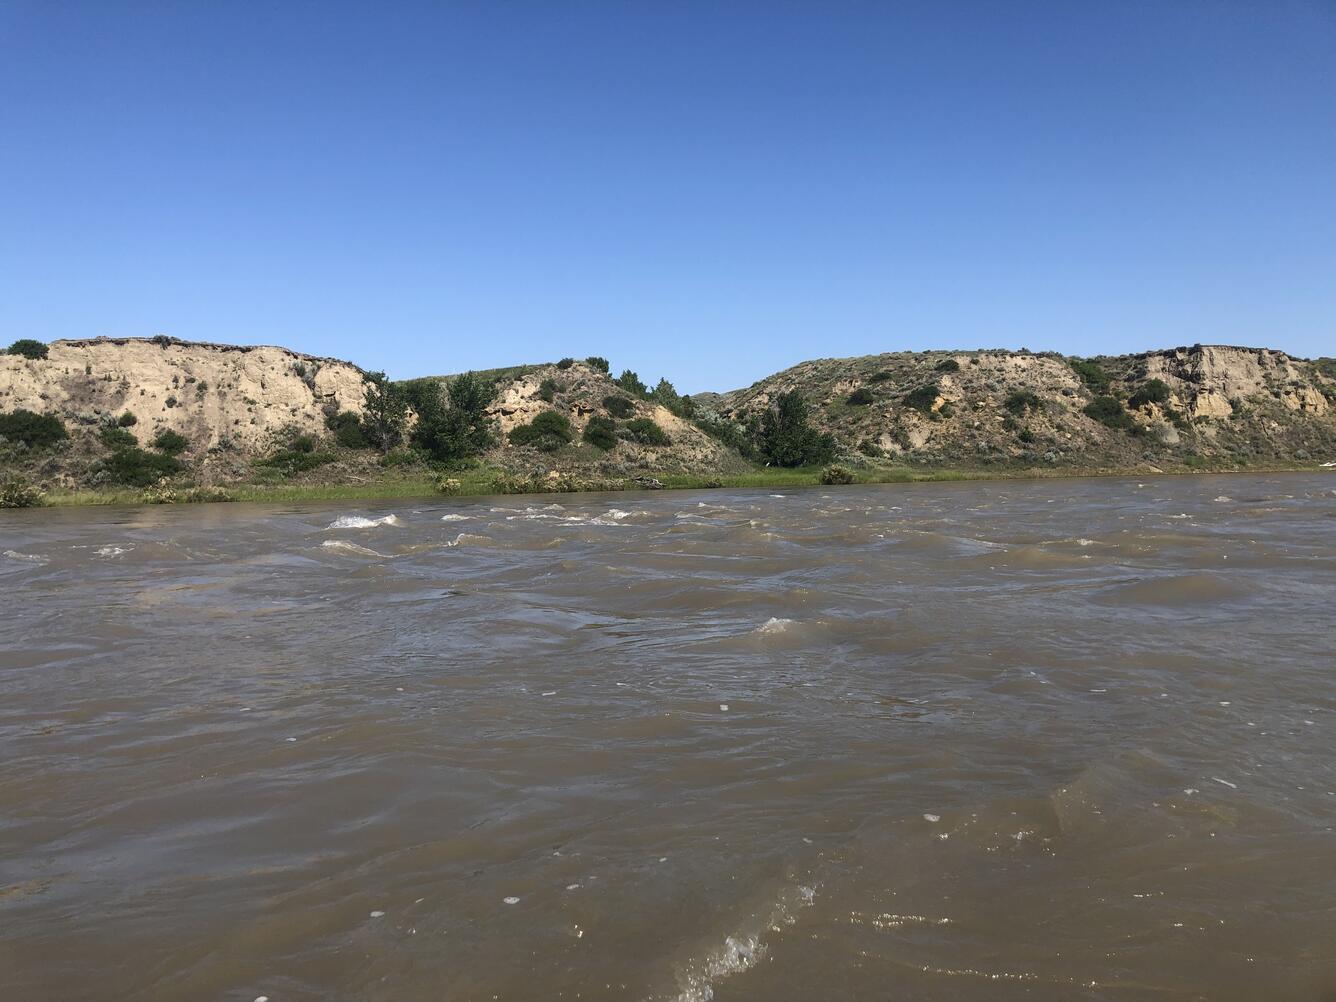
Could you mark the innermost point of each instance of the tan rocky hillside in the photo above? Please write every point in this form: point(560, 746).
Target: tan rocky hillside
point(218, 396)
point(1237, 404)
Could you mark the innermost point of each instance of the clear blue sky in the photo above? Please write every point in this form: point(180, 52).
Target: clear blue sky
point(707, 191)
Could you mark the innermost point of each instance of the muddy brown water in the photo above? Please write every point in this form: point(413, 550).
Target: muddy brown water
point(1052, 740)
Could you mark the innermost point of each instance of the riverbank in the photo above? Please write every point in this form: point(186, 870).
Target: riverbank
point(484, 482)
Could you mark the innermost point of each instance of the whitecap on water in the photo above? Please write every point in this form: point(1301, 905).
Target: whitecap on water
point(342, 546)
point(113, 551)
point(361, 522)
point(29, 558)
point(455, 517)
point(774, 625)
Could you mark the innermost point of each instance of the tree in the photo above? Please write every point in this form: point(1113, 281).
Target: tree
point(597, 362)
point(666, 394)
point(452, 421)
point(786, 437)
point(631, 383)
point(385, 411)
point(28, 348)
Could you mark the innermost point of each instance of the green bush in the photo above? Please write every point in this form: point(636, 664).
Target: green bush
point(453, 423)
point(947, 365)
point(619, 407)
point(116, 437)
point(18, 493)
point(347, 429)
point(170, 442)
point(597, 362)
point(547, 390)
point(646, 432)
point(833, 475)
point(28, 348)
point(385, 411)
point(127, 420)
point(730, 433)
point(881, 376)
point(565, 364)
point(922, 398)
point(302, 442)
point(290, 461)
point(134, 467)
point(601, 432)
point(36, 431)
point(1091, 374)
point(870, 449)
point(665, 394)
point(547, 432)
point(1154, 391)
point(787, 439)
point(861, 397)
point(631, 383)
point(1023, 401)
point(1109, 411)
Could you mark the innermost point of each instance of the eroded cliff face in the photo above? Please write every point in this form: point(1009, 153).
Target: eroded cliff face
point(217, 396)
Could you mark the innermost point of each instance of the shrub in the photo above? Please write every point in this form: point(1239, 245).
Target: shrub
point(385, 412)
point(1154, 391)
point(730, 433)
point(1109, 411)
point(127, 420)
point(870, 449)
point(453, 423)
point(882, 376)
point(631, 383)
point(1091, 374)
point(548, 432)
point(922, 398)
point(347, 429)
point(646, 432)
point(665, 393)
point(786, 438)
point(36, 431)
point(116, 437)
point(18, 493)
point(448, 485)
point(619, 407)
point(170, 442)
point(861, 397)
point(171, 401)
point(1023, 401)
point(290, 461)
point(601, 432)
point(28, 348)
point(832, 475)
point(597, 362)
point(547, 390)
point(947, 365)
point(134, 467)
point(565, 364)
point(301, 442)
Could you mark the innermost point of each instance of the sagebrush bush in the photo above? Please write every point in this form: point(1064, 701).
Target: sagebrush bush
point(836, 474)
point(880, 376)
point(170, 442)
point(947, 365)
point(861, 397)
point(601, 432)
point(922, 398)
point(646, 432)
point(1091, 374)
point(547, 390)
point(116, 437)
point(1022, 401)
point(127, 420)
point(547, 432)
point(1154, 391)
point(36, 431)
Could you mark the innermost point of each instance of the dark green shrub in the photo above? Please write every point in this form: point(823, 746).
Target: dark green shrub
point(730, 433)
point(631, 383)
point(565, 364)
point(922, 398)
point(115, 437)
point(601, 432)
point(1109, 411)
point(291, 461)
point(619, 407)
point(547, 390)
point(1026, 436)
point(646, 432)
point(547, 432)
point(882, 376)
point(870, 449)
point(453, 424)
point(1022, 401)
point(171, 443)
point(665, 394)
point(947, 365)
point(1091, 374)
point(385, 412)
point(134, 467)
point(36, 431)
point(171, 401)
point(787, 439)
point(861, 397)
point(28, 348)
point(347, 429)
point(127, 420)
point(1153, 391)
point(597, 362)
point(833, 475)
point(18, 493)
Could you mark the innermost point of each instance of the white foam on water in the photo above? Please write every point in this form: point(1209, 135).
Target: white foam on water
point(774, 625)
point(1222, 498)
point(455, 517)
point(30, 558)
point(343, 546)
point(470, 539)
point(113, 551)
point(361, 522)
point(512, 900)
